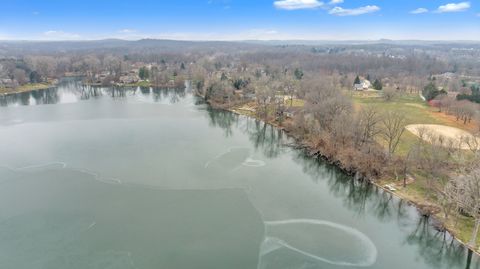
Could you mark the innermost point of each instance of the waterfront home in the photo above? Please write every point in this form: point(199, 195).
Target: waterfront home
point(129, 79)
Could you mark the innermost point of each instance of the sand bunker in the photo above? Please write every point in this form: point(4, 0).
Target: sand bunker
point(445, 135)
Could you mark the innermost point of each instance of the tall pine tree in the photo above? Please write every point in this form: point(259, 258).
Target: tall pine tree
point(357, 80)
point(377, 85)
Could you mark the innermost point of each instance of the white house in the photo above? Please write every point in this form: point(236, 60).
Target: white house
point(363, 85)
point(129, 79)
point(8, 83)
point(358, 87)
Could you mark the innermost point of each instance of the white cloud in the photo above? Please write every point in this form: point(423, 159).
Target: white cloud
point(126, 31)
point(419, 11)
point(453, 7)
point(297, 4)
point(335, 2)
point(339, 11)
point(271, 32)
point(60, 35)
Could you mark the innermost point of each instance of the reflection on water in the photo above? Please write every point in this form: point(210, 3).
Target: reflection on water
point(152, 178)
point(72, 90)
point(438, 249)
point(262, 135)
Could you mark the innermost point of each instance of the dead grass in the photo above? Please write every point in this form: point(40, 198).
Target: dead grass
point(26, 88)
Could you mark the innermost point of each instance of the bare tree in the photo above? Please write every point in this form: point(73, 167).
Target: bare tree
point(367, 125)
point(325, 103)
point(264, 94)
point(393, 127)
point(20, 76)
point(466, 191)
point(389, 94)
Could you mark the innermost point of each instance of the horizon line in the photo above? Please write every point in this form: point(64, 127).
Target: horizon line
point(241, 40)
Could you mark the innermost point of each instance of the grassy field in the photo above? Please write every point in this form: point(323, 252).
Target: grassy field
point(416, 111)
point(139, 84)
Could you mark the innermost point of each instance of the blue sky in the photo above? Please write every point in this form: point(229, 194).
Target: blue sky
point(240, 19)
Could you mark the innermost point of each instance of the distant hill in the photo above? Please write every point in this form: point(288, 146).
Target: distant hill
point(145, 46)
point(117, 45)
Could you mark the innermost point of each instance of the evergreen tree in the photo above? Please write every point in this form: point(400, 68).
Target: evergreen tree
point(357, 80)
point(475, 89)
point(35, 77)
point(224, 77)
point(377, 85)
point(431, 91)
point(143, 73)
point(298, 74)
point(258, 73)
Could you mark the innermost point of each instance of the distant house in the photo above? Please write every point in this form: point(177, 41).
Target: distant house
point(129, 79)
point(358, 87)
point(366, 84)
point(290, 112)
point(8, 83)
point(134, 71)
point(447, 75)
point(363, 85)
point(99, 78)
point(279, 99)
point(250, 96)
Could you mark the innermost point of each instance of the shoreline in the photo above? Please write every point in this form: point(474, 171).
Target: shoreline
point(26, 88)
point(145, 84)
point(312, 152)
point(316, 153)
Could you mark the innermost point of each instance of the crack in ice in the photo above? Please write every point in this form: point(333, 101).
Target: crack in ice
point(271, 244)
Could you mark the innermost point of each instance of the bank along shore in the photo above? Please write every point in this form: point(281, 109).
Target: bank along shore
point(426, 209)
point(28, 88)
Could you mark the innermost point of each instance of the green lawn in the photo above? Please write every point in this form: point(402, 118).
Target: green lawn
point(416, 111)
